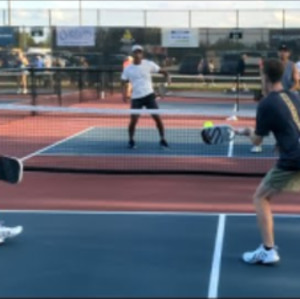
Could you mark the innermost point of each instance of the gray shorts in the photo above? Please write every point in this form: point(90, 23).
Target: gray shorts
point(282, 180)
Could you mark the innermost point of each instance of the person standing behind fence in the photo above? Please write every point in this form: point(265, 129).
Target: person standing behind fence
point(241, 69)
point(22, 81)
point(290, 78)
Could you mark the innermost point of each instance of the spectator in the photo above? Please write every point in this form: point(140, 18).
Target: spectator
point(241, 68)
point(202, 68)
point(85, 75)
point(39, 63)
point(22, 80)
point(47, 62)
point(290, 78)
point(211, 69)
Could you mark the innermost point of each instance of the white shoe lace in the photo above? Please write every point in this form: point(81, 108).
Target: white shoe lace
point(260, 253)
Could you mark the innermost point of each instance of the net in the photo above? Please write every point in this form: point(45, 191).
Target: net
point(96, 141)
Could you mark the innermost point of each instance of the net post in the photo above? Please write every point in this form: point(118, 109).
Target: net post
point(33, 90)
point(236, 106)
point(111, 73)
point(98, 84)
point(59, 88)
point(238, 93)
point(102, 86)
point(80, 85)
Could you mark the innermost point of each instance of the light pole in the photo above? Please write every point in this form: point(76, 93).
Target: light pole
point(9, 12)
point(80, 12)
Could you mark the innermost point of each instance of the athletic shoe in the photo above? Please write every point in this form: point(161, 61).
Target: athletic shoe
point(256, 149)
point(9, 232)
point(164, 144)
point(131, 145)
point(261, 256)
point(25, 91)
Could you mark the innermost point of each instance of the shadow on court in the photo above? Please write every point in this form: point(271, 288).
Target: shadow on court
point(143, 255)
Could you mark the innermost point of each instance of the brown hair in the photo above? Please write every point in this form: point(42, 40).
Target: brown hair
point(273, 69)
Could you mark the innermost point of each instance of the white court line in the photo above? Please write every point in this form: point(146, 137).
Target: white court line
point(56, 144)
point(230, 148)
point(141, 213)
point(217, 259)
point(167, 155)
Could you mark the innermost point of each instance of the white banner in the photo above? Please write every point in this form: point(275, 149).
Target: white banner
point(180, 38)
point(75, 36)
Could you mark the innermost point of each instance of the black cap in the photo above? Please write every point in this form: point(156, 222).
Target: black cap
point(283, 47)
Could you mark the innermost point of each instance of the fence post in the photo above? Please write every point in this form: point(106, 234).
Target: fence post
point(80, 12)
point(9, 12)
point(145, 19)
point(98, 17)
point(50, 17)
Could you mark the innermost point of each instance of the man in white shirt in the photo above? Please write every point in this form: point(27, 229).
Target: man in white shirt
point(138, 74)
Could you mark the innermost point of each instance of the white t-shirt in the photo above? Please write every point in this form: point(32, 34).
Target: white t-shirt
point(139, 75)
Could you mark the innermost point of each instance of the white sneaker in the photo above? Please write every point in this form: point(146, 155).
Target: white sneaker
point(25, 91)
point(9, 232)
point(256, 149)
point(261, 256)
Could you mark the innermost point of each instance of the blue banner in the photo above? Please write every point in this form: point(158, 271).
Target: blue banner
point(7, 36)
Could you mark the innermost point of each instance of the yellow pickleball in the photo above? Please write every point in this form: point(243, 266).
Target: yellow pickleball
point(208, 124)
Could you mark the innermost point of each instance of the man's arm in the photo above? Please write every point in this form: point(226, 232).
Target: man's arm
point(124, 90)
point(250, 132)
point(154, 68)
point(295, 79)
point(166, 75)
point(124, 82)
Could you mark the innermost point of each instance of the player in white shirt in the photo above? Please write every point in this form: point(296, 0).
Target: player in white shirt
point(139, 75)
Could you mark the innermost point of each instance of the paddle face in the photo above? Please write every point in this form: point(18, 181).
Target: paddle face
point(217, 134)
point(11, 170)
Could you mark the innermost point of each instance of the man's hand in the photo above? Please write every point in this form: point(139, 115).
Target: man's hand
point(248, 132)
point(126, 98)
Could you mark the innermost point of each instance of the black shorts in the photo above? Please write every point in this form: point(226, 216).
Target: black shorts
point(148, 102)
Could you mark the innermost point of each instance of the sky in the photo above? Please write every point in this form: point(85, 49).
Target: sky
point(66, 13)
point(46, 4)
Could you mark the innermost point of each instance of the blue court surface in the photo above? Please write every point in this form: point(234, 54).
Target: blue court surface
point(144, 254)
point(183, 142)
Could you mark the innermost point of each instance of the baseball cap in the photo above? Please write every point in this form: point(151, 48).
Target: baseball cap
point(137, 48)
point(283, 47)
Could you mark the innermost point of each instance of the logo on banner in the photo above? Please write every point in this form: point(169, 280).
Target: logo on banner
point(127, 37)
point(76, 36)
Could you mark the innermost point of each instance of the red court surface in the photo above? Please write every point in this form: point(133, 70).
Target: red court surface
point(42, 191)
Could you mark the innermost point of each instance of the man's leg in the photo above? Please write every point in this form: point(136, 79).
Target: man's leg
point(264, 215)
point(132, 125)
point(274, 182)
point(135, 104)
point(151, 103)
point(160, 126)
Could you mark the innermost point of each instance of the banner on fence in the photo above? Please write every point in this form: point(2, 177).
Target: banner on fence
point(75, 36)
